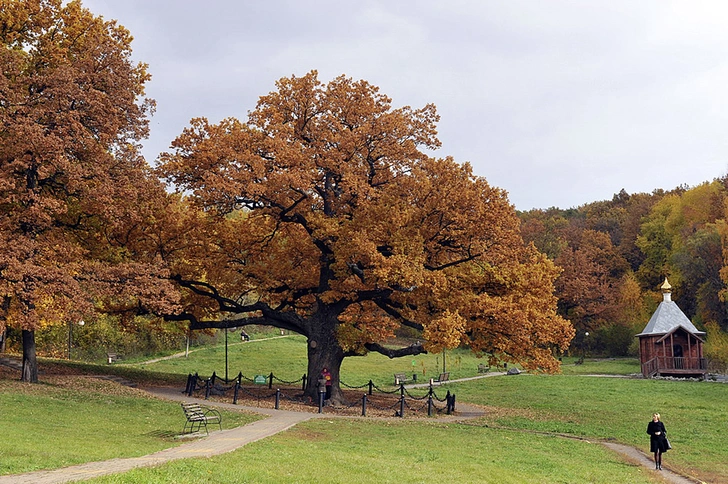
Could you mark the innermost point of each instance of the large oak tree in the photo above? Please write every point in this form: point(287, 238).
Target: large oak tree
point(72, 185)
point(325, 217)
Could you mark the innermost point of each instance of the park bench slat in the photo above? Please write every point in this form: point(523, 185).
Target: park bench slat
point(198, 416)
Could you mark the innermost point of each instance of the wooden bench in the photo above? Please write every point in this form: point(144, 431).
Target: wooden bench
point(198, 416)
point(444, 377)
point(483, 368)
point(113, 357)
point(400, 378)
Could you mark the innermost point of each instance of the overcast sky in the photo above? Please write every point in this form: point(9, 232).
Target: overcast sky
point(560, 103)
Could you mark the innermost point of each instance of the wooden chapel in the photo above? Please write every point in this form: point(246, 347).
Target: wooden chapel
point(670, 345)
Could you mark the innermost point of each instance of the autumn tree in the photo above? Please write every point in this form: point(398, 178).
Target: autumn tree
point(72, 184)
point(716, 346)
point(595, 245)
point(326, 218)
point(588, 287)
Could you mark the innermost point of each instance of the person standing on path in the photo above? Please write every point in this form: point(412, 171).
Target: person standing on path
point(326, 377)
point(658, 439)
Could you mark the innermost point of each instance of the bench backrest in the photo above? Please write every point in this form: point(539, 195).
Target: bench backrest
point(193, 410)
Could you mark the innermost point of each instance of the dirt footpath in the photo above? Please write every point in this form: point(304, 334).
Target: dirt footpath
point(633, 455)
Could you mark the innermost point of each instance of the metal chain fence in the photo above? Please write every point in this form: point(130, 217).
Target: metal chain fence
point(255, 389)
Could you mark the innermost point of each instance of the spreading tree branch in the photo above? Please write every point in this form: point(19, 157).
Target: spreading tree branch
point(453, 263)
point(414, 349)
point(275, 317)
point(208, 290)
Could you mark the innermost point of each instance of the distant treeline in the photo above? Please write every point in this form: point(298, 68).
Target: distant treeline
point(615, 255)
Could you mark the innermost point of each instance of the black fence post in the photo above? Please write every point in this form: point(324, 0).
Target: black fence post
point(207, 388)
point(401, 400)
point(429, 406)
point(270, 380)
point(278, 397)
point(235, 395)
point(213, 377)
point(189, 381)
point(364, 405)
point(303, 387)
point(321, 395)
point(371, 387)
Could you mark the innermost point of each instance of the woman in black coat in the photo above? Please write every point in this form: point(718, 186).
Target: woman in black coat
point(658, 439)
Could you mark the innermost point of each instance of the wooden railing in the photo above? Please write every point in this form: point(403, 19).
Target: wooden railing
point(661, 364)
point(682, 363)
point(649, 368)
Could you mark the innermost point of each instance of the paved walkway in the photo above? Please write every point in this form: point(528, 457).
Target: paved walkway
point(637, 457)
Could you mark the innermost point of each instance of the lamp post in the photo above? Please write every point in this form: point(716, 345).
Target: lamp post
point(70, 335)
point(226, 355)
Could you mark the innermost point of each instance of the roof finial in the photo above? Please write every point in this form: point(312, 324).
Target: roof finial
point(666, 290)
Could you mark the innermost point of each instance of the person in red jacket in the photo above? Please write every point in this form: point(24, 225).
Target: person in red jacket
point(658, 439)
point(326, 375)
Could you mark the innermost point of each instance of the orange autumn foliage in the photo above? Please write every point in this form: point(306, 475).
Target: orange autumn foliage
point(73, 187)
point(326, 217)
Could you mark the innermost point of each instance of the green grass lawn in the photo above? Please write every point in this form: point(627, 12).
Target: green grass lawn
point(71, 420)
point(609, 366)
point(286, 358)
point(613, 409)
point(515, 442)
point(357, 451)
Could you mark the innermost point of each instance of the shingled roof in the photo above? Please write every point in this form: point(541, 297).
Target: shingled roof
point(668, 317)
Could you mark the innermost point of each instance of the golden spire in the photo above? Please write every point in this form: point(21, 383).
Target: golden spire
point(666, 287)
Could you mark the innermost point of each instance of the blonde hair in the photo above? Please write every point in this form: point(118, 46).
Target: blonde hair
point(656, 415)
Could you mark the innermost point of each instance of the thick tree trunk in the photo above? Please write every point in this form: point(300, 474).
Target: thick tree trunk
point(30, 364)
point(324, 351)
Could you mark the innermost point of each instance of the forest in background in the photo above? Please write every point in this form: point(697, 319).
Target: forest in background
point(616, 253)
